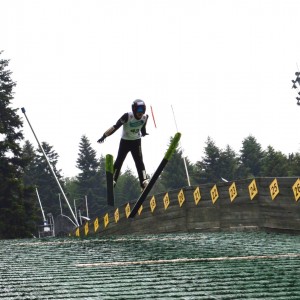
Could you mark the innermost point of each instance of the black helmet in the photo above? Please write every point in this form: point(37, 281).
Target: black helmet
point(138, 106)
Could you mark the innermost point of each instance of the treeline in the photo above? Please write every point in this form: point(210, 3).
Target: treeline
point(90, 184)
point(24, 172)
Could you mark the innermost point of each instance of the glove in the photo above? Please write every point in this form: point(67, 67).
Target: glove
point(101, 140)
point(145, 134)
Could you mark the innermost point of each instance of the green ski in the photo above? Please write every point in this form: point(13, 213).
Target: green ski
point(158, 171)
point(109, 168)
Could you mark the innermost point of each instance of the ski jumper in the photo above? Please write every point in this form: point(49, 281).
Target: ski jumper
point(133, 130)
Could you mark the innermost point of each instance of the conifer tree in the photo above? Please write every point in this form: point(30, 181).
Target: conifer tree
point(44, 179)
point(90, 182)
point(250, 158)
point(274, 163)
point(17, 209)
point(228, 164)
point(128, 188)
point(29, 154)
point(174, 175)
point(294, 164)
point(210, 164)
point(38, 174)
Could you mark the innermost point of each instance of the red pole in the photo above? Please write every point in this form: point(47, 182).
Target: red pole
point(153, 116)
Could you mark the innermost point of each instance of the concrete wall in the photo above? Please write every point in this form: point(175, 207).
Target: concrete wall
point(212, 213)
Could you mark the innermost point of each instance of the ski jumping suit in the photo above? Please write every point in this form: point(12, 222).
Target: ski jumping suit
point(133, 130)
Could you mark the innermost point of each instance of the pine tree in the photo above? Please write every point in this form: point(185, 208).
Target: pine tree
point(29, 155)
point(86, 161)
point(128, 188)
point(228, 164)
point(274, 163)
point(90, 181)
point(17, 208)
point(294, 164)
point(250, 158)
point(174, 175)
point(210, 165)
point(39, 175)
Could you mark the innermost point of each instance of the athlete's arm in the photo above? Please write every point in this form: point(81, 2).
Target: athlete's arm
point(143, 129)
point(114, 128)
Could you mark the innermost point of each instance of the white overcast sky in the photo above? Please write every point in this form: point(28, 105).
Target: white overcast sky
point(224, 66)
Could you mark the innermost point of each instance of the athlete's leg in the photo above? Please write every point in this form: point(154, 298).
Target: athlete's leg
point(122, 153)
point(136, 151)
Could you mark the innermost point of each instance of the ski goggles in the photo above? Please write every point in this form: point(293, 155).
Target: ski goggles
point(140, 110)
